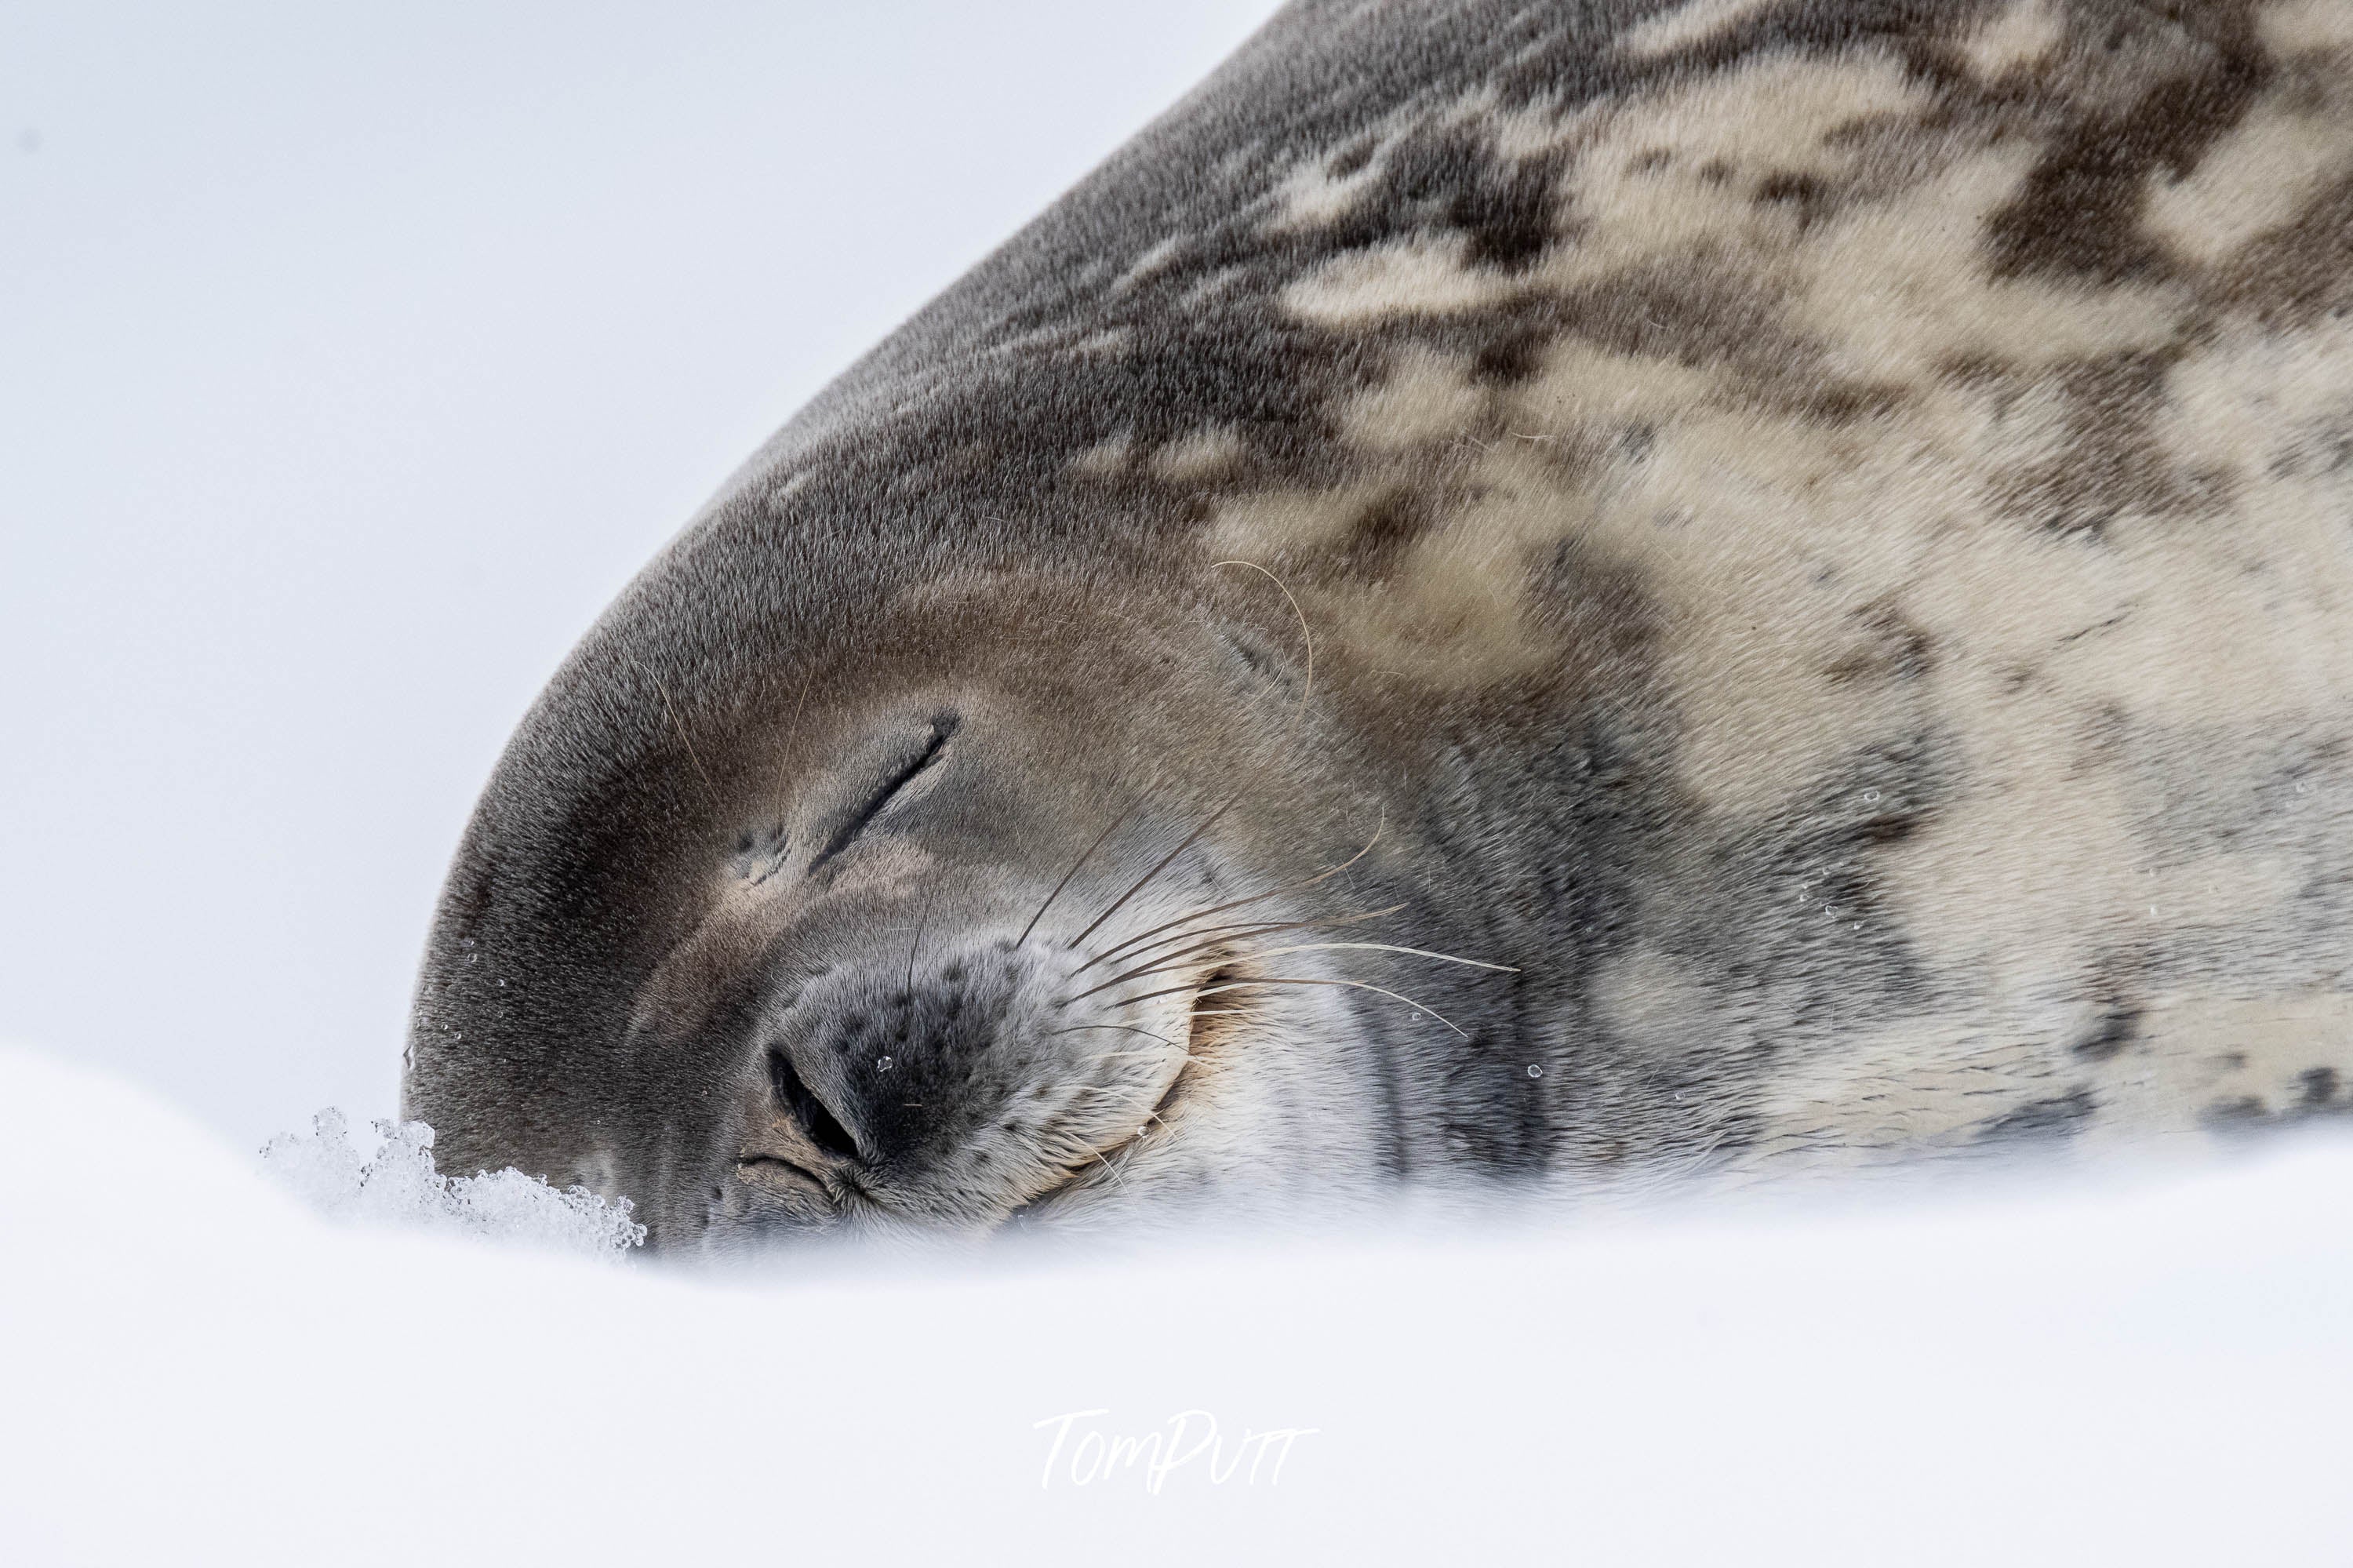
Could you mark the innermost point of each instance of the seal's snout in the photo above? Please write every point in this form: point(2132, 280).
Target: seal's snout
point(962, 1085)
point(896, 1071)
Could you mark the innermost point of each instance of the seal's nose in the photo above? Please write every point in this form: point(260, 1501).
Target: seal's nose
point(893, 1070)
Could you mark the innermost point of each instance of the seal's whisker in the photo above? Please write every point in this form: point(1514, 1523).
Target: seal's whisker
point(1242, 903)
point(1385, 948)
point(1084, 854)
point(1151, 968)
point(1131, 1028)
point(1135, 1093)
point(1164, 862)
point(1162, 964)
point(1350, 985)
point(1242, 930)
point(1296, 980)
point(1307, 686)
point(1116, 1178)
point(1166, 961)
point(1157, 969)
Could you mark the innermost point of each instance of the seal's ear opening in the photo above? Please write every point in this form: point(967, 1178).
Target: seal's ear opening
point(1259, 660)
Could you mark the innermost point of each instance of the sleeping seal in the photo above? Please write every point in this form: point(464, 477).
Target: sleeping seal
point(1511, 590)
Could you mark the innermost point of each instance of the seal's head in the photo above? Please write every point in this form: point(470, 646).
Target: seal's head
point(1016, 899)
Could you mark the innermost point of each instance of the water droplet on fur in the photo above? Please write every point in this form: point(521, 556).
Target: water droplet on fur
point(882, 1063)
point(1535, 1070)
point(1869, 795)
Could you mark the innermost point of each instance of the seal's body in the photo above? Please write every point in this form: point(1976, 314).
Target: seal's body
point(1512, 590)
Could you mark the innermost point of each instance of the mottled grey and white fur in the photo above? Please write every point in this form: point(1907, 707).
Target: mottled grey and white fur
point(1517, 591)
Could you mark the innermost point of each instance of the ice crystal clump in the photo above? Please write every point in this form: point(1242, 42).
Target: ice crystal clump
point(398, 1185)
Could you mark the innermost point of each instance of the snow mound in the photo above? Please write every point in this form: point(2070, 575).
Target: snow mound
point(2053, 1369)
point(398, 1185)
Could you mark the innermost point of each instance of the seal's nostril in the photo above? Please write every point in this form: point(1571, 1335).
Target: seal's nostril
point(823, 1128)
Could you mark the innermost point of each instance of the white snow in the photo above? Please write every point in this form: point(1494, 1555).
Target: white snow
point(202, 1370)
point(395, 1183)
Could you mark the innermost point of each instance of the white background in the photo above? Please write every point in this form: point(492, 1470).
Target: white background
point(351, 359)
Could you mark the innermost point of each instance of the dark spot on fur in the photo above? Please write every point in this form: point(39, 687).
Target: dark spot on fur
point(1453, 181)
point(2110, 461)
point(1687, 312)
point(1806, 196)
point(2302, 270)
point(1511, 356)
point(1352, 157)
point(1888, 826)
point(1896, 649)
point(2320, 1086)
point(2110, 624)
point(1780, 919)
point(2117, 1027)
point(2244, 1111)
point(1383, 531)
point(2061, 1116)
point(2199, 66)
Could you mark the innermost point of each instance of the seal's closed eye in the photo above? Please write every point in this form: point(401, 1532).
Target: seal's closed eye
point(929, 746)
